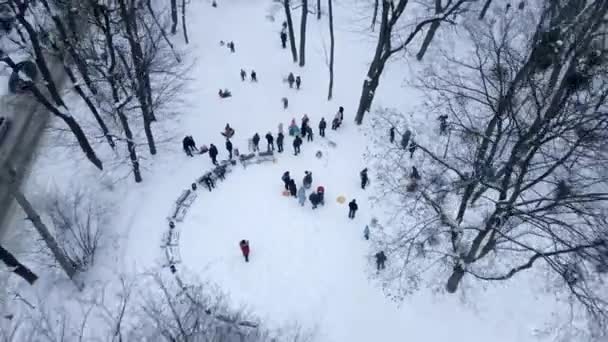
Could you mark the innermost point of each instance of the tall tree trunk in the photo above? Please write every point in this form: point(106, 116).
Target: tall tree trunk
point(92, 108)
point(370, 84)
point(162, 30)
point(318, 9)
point(482, 14)
point(173, 16)
point(331, 50)
point(38, 51)
point(184, 21)
point(431, 33)
point(142, 79)
point(292, 39)
point(303, 31)
point(375, 15)
point(130, 142)
point(18, 268)
point(81, 137)
point(64, 261)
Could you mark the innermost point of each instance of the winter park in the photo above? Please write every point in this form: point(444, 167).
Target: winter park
point(300, 170)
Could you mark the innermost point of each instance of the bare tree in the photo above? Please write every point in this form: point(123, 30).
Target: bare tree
point(174, 16)
point(484, 9)
point(390, 15)
point(318, 9)
point(8, 179)
point(17, 267)
point(526, 185)
point(184, 21)
point(303, 32)
point(331, 50)
point(292, 38)
point(439, 8)
point(375, 15)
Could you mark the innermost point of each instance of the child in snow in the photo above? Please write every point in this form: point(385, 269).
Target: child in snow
point(380, 259)
point(244, 244)
point(302, 195)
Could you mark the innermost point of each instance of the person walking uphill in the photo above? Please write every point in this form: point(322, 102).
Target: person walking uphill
point(352, 209)
point(286, 178)
point(256, 142)
point(297, 142)
point(293, 189)
point(302, 195)
point(229, 148)
point(244, 244)
point(213, 154)
point(270, 141)
point(322, 126)
point(280, 138)
point(364, 178)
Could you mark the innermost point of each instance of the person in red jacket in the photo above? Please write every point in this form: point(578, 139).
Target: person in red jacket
point(244, 244)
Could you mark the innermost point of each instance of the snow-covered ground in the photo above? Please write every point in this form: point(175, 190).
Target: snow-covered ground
point(313, 267)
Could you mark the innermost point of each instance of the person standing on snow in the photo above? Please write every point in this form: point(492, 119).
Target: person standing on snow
point(304, 129)
point(286, 178)
point(297, 142)
point(314, 199)
point(302, 195)
point(243, 75)
point(366, 232)
point(229, 148)
point(380, 260)
point(415, 175)
point(364, 178)
point(283, 39)
point(307, 181)
point(188, 145)
point(293, 128)
point(256, 143)
point(293, 189)
point(341, 114)
point(298, 82)
point(280, 138)
point(309, 133)
point(412, 148)
point(254, 76)
point(209, 183)
point(285, 102)
point(244, 244)
point(270, 141)
point(322, 126)
point(321, 194)
point(352, 209)
point(290, 79)
point(391, 134)
point(213, 154)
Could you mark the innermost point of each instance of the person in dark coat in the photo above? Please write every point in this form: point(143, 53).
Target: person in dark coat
point(244, 244)
point(280, 138)
point(321, 194)
point(412, 149)
point(291, 79)
point(231, 46)
point(220, 172)
point(415, 175)
point(309, 133)
point(254, 76)
point(298, 82)
point(304, 127)
point(380, 260)
point(391, 134)
point(256, 142)
point(270, 141)
point(314, 199)
point(189, 145)
point(229, 148)
point(213, 153)
point(293, 189)
point(286, 178)
point(366, 232)
point(341, 114)
point(297, 142)
point(322, 126)
point(243, 75)
point(307, 181)
point(285, 102)
point(443, 124)
point(352, 209)
point(335, 123)
point(284, 39)
point(364, 178)
point(209, 182)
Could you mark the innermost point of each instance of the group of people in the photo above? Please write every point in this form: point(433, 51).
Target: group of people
point(253, 75)
point(316, 197)
point(291, 80)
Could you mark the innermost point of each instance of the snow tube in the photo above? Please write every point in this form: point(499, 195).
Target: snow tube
point(341, 199)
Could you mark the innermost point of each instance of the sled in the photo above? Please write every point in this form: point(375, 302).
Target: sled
point(170, 238)
point(341, 199)
point(265, 156)
point(186, 198)
point(173, 256)
point(286, 193)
